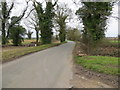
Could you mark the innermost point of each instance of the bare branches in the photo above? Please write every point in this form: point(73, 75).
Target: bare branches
point(5, 11)
point(11, 7)
point(32, 21)
point(18, 19)
point(77, 3)
point(21, 16)
point(55, 3)
point(31, 27)
point(63, 11)
point(24, 10)
point(115, 17)
point(30, 12)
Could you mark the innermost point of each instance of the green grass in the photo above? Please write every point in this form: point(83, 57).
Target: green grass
point(114, 41)
point(102, 64)
point(10, 54)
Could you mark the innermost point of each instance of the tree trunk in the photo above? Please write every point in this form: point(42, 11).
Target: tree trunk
point(4, 12)
point(4, 41)
point(37, 36)
point(8, 33)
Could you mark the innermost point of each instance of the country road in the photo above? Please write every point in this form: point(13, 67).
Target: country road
point(50, 68)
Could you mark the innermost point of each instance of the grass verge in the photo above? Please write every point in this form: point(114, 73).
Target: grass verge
point(13, 54)
point(102, 64)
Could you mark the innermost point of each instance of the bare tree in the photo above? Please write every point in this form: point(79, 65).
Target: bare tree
point(33, 23)
point(29, 34)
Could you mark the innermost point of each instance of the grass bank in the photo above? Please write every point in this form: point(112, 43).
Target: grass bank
point(102, 64)
point(11, 54)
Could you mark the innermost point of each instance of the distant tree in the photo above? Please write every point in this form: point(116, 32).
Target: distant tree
point(61, 17)
point(74, 34)
point(33, 23)
point(16, 34)
point(118, 37)
point(29, 34)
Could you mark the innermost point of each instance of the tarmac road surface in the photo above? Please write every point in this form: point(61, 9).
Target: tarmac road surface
point(50, 68)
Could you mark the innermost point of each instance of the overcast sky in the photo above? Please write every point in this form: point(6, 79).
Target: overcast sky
point(112, 30)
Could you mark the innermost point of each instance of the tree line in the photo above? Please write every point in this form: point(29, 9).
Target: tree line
point(94, 17)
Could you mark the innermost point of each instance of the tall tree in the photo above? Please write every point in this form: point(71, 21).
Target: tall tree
point(45, 20)
point(5, 17)
point(33, 23)
point(94, 16)
point(61, 16)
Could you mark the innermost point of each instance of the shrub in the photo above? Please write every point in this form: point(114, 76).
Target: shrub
point(16, 34)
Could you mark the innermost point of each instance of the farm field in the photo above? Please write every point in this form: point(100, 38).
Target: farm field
point(26, 41)
point(11, 52)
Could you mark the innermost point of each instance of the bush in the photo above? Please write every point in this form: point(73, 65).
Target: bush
point(74, 35)
point(106, 48)
point(16, 34)
point(103, 48)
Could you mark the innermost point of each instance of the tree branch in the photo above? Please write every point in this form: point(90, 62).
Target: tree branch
point(55, 3)
point(11, 7)
point(20, 17)
point(115, 17)
point(30, 13)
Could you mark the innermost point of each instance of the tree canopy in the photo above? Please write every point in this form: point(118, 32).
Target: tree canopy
point(94, 17)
